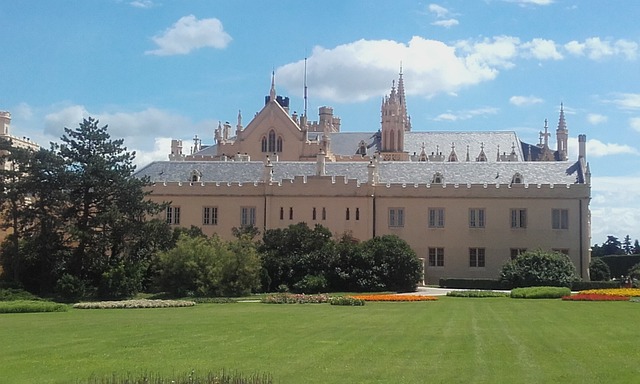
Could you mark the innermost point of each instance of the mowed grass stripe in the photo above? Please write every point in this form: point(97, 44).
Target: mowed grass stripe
point(453, 340)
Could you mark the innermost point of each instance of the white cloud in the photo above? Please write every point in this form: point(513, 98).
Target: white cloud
point(142, 3)
point(188, 34)
point(597, 148)
point(136, 128)
point(466, 115)
point(525, 100)
point(614, 206)
point(626, 100)
point(541, 49)
point(440, 11)
point(596, 49)
point(365, 68)
point(595, 118)
point(634, 123)
point(448, 23)
point(531, 2)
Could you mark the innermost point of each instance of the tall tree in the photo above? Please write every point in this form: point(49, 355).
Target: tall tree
point(108, 205)
point(612, 246)
point(626, 245)
point(636, 247)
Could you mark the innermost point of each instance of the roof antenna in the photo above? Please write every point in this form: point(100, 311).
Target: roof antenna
point(305, 86)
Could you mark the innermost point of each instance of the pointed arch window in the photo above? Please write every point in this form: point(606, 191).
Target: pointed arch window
point(392, 141)
point(438, 178)
point(279, 144)
point(272, 141)
point(517, 179)
point(399, 148)
point(265, 148)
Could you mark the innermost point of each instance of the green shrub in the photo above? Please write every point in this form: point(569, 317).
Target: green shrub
point(539, 268)
point(12, 294)
point(599, 270)
point(206, 267)
point(214, 300)
point(27, 306)
point(477, 294)
point(311, 284)
point(133, 304)
point(461, 283)
point(346, 300)
point(584, 285)
point(634, 272)
point(70, 287)
point(121, 281)
point(540, 292)
point(620, 264)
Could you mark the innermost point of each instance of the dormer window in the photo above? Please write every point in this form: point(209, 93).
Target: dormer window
point(195, 176)
point(438, 178)
point(517, 179)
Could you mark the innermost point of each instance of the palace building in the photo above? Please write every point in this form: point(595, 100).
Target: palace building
point(466, 202)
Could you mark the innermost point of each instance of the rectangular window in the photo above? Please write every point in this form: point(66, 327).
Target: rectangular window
point(560, 218)
point(210, 216)
point(313, 214)
point(436, 217)
point(290, 213)
point(517, 251)
point(436, 257)
point(347, 215)
point(281, 213)
point(518, 218)
point(476, 257)
point(248, 216)
point(173, 215)
point(324, 213)
point(476, 218)
point(564, 251)
point(357, 213)
point(396, 217)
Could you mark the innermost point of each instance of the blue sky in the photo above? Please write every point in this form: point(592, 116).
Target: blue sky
point(159, 69)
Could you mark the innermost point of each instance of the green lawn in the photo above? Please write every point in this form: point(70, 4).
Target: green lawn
point(453, 340)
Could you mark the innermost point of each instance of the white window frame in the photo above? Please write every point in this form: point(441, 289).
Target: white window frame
point(477, 257)
point(396, 217)
point(436, 217)
point(477, 217)
point(435, 258)
point(560, 218)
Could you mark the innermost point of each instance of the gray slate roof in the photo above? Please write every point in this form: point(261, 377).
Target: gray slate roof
point(346, 143)
point(389, 172)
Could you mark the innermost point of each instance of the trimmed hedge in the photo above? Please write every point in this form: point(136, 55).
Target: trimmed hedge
point(540, 293)
point(477, 294)
point(584, 285)
point(30, 306)
point(346, 300)
point(459, 283)
point(620, 264)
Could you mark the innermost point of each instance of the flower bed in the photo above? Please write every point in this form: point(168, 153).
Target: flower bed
point(395, 297)
point(628, 292)
point(290, 298)
point(142, 303)
point(346, 300)
point(594, 297)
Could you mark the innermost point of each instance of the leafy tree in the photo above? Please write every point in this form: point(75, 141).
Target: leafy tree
point(108, 207)
point(395, 263)
point(200, 266)
point(599, 270)
point(289, 254)
point(536, 268)
point(626, 245)
point(612, 246)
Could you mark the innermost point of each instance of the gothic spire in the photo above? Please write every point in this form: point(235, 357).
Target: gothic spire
point(272, 92)
point(562, 124)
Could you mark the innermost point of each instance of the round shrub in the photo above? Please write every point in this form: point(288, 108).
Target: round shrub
point(599, 270)
point(346, 300)
point(539, 268)
point(540, 293)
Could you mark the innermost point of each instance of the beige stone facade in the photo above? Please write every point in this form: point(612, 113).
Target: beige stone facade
point(465, 211)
